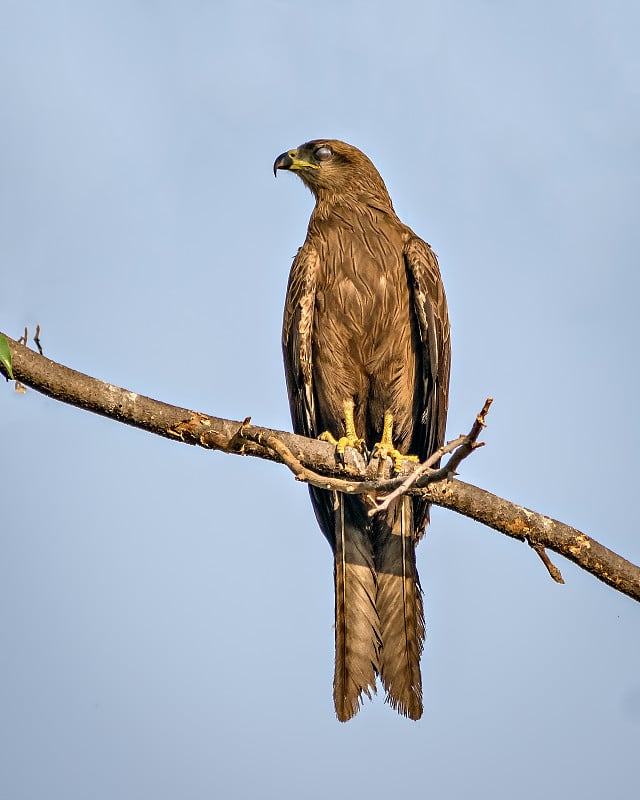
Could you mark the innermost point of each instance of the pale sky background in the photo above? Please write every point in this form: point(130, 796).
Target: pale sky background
point(166, 613)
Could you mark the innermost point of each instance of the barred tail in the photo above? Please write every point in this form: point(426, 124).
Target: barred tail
point(399, 605)
point(358, 637)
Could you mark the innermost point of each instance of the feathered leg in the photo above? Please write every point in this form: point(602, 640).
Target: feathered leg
point(399, 605)
point(358, 638)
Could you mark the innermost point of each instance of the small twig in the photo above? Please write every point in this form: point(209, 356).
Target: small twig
point(420, 471)
point(305, 474)
point(300, 472)
point(36, 339)
point(237, 441)
point(551, 567)
point(424, 474)
point(356, 486)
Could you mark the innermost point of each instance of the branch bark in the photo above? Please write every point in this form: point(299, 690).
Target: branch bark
point(313, 461)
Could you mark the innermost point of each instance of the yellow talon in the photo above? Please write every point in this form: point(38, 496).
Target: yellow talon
point(326, 436)
point(385, 448)
point(350, 439)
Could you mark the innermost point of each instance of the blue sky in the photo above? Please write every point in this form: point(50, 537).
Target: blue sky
point(166, 614)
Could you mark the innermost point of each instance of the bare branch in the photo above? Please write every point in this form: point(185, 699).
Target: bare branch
point(314, 461)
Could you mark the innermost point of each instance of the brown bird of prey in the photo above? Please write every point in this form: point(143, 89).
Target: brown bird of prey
point(366, 351)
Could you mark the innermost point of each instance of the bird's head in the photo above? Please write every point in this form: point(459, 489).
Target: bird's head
point(333, 170)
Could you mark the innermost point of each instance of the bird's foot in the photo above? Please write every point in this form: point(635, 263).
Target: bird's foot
point(342, 443)
point(386, 449)
point(350, 438)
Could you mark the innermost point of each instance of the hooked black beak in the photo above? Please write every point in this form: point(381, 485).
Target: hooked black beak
point(283, 161)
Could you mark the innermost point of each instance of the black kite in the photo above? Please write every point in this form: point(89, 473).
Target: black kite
point(366, 350)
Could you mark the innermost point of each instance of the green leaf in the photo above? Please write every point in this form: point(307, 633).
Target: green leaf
point(5, 356)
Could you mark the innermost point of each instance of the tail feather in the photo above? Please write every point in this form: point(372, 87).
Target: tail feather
point(399, 606)
point(358, 639)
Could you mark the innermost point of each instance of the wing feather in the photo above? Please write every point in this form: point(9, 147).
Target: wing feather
point(431, 400)
point(297, 329)
point(297, 335)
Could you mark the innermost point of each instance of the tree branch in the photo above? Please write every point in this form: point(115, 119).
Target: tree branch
point(313, 461)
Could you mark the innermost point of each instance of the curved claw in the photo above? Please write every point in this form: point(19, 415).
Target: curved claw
point(385, 447)
point(342, 443)
point(383, 451)
point(348, 441)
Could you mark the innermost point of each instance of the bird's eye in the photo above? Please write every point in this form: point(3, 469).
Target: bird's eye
point(323, 153)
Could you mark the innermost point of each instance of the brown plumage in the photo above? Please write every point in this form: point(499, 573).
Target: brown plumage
point(366, 325)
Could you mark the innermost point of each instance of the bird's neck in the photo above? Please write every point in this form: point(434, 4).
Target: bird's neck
point(327, 203)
